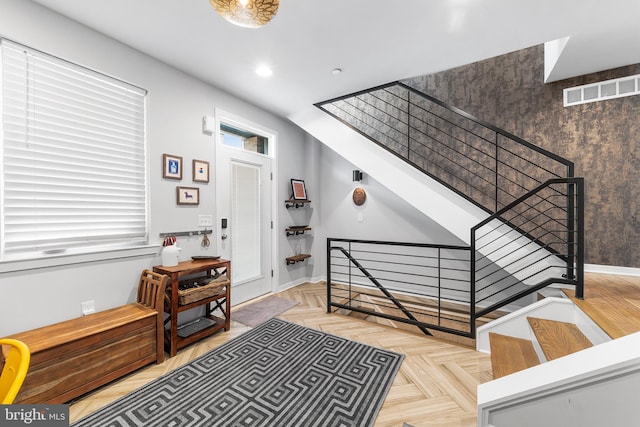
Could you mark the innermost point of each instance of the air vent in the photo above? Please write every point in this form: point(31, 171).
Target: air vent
point(609, 89)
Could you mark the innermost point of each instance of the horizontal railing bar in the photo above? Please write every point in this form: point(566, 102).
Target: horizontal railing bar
point(521, 280)
point(487, 125)
point(383, 242)
point(451, 175)
point(455, 125)
point(372, 127)
point(385, 124)
point(419, 267)
point(360, 291)
point(524, 197)
point(403, 112)
point(538, 260)
point(543, 200)
point(404, 282)
point(402, 272)
point(403, 320)
point(427, 147)
point(430, 126)
point(408, 255)
point(428, 303)
point(522, 234)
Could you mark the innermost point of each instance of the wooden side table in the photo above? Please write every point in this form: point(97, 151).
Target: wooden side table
point(173, 342)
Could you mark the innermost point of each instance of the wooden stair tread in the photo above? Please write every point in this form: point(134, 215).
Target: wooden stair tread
point(558, 339)
point(510, 354)
point(603, 318)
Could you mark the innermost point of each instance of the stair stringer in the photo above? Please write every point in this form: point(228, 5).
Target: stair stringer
point(452, 211)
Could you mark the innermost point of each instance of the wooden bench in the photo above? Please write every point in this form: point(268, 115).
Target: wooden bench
point(76, 356)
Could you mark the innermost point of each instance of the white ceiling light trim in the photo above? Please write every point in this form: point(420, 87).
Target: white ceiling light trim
point(264, 71)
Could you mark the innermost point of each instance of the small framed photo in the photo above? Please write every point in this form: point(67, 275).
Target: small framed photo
point(200, 171)
point(171, 166)
point(188, 195)
point(298, 191)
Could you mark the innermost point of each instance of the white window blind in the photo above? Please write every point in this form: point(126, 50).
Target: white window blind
point(73, 158)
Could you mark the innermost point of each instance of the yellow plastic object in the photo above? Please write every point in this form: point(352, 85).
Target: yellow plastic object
point(16, 365)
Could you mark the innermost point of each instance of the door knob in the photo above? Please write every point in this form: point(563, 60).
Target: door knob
point(223, 236)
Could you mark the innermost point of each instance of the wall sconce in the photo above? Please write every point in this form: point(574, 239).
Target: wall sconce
point(357, 175)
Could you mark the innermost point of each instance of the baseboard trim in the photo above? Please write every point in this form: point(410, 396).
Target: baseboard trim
point(293, 284)
point(612, 269)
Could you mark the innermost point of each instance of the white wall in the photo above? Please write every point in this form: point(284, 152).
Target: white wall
point(177, 103)
point(383, 216)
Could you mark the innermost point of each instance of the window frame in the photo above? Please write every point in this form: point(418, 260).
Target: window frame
point(138, 246)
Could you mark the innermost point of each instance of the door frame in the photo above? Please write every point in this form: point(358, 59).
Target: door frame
point(222, 116)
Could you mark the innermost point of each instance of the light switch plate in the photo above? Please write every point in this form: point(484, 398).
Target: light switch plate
point(205, 220)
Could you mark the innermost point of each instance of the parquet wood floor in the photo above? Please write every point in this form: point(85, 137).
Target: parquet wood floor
point(436, 385)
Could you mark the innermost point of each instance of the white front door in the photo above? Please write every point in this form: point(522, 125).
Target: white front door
point(244, 199)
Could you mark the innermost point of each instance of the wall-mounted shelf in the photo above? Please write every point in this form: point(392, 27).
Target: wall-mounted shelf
point(296, 231)
point(297, 258)
point(291, 203)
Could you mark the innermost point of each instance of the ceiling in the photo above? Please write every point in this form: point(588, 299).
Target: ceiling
point(372, 41)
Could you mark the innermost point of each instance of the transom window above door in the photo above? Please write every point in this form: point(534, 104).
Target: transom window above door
point(244, 139)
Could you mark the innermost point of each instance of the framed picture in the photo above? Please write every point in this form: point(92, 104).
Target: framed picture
point(200, 171)
point(188, 195)
point(298, 191)
point(171, 166)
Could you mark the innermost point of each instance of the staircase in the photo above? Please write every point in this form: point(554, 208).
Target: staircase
point(555, 339)
point(568, 366)
point(517, 206)
point(524, 209)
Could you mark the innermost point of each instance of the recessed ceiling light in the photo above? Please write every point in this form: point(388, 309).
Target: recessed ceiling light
point(336, 71)
point(264, 71)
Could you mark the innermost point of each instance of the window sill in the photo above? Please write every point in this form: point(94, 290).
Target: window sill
point(10, 266)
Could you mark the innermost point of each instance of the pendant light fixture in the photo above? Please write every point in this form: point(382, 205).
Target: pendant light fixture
point(247, 13)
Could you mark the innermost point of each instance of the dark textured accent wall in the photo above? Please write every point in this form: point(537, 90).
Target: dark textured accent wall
point(601, 138)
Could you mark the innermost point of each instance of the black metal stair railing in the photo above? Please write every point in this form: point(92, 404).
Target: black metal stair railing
point(424, 285)
point(483, 163)
point(518, 251)
point(533, 237)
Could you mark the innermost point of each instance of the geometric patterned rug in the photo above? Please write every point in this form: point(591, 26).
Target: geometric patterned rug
point(278, 374)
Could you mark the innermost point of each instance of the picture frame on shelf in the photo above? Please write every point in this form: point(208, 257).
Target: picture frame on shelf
point(171, 166)
point(188, 195)
point(298, 190)
point(200, 171)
